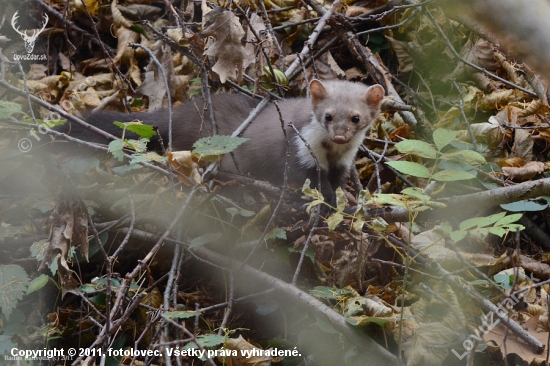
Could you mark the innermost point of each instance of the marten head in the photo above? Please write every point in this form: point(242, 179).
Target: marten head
point(345, 108)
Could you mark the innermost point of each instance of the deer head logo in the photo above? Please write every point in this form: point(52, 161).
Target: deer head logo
point(29, 41)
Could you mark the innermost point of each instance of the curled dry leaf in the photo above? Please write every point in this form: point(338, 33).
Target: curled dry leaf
point(91, 98)
point(244, 351)
point(226, 49)
point(135, 73)
point(499, 99)
point(373, 306)
point(33, 85)
point(124, 53)
point(187, 164)
point(523, 145)
point(524, 173)
point(118, 19)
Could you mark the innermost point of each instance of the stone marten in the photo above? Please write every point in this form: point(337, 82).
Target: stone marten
point(333, 122)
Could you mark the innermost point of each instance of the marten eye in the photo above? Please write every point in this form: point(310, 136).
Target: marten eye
point(355, 119)
point(328, 117)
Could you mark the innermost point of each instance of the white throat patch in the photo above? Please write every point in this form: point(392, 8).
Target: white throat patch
point(342, 155)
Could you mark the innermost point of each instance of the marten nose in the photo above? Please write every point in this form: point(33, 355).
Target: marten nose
point(339, 139)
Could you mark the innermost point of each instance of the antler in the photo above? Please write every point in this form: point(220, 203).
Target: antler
point(14, 26)
point(46, 19)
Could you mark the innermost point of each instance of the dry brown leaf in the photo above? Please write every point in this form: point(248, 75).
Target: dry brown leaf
point(499, 99)
point(253, 53)
point(227, 48)
point(354, 73)
point(124, 53)
point(118, 19)
point(438, 326)
point(135, 74)
point(523, 145)
point(90, 98)
point(154, 86)
point(243, 348)
point(403, 52)
point(538, 269)
point(334, 65)
point(187, 164)
point(511, 162)
point(69, 228)
point(524, 173)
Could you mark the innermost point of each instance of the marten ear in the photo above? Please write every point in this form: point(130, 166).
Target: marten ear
point(374, 96)
point(317, 90)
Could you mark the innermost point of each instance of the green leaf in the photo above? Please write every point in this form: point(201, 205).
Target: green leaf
point(341, 199)
point(464, 156)
point(525, 205)
point(379, 224)
point(504, 280)
point(81, 164)
point(9, 108)
point(13, 283)
point(313, 204)
point(508, 219)
point(514, 227)
point(210, 340)
point(481, 221)
point(276, 233)
point(137, 145)
point(239, 211)
point(38, 248)
point(38, 283)
point(417, 147)
point(416, 193)
point(358, 225)
point(140, 129)
point(458, 235)
point(390, 199)
point(212, 147)
point(146, 158)
point(443, 137)
point(451, 176)
point(334, 220)
point(180, 314)
point(498, 231)
point(330, 292)
point(410, 168)
point(54, 264)
point(364, 198)
point(115, 147)
point(137, 102)
point(204, 239)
